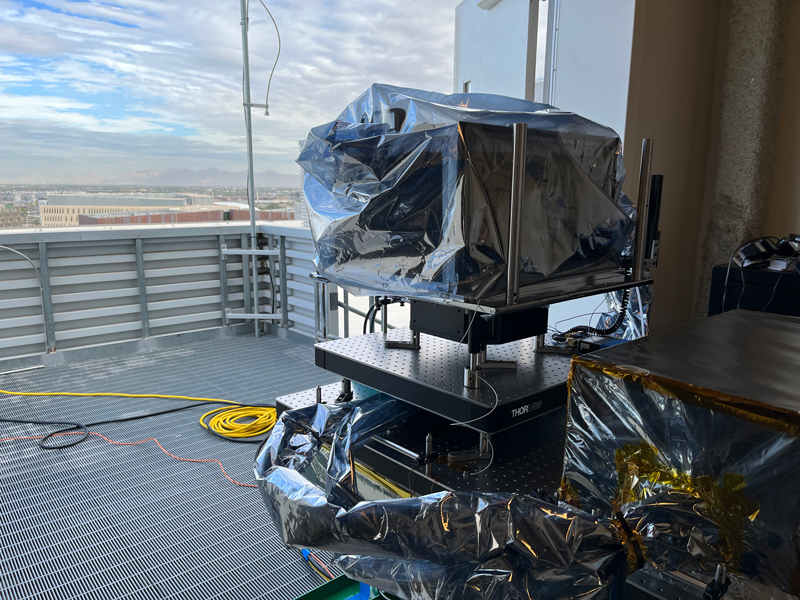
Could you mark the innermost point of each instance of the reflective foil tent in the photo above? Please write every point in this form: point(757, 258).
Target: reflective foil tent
point(409, 193)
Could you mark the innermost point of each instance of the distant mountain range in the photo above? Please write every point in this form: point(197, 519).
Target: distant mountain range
point(206, 178)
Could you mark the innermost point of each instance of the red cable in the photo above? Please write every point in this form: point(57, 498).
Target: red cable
point(196, 460)
point(322, 564)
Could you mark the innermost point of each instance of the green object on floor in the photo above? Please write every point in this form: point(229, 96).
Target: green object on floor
point(341, 588)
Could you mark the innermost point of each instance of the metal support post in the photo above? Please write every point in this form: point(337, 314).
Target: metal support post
point(273, 296)
point(642, 209)
point(484, 443)
point(47, 300)
point(320, 305)
point(471, 379)
point(284, 282)
point(520, 143)
point(142, 280)
point(540, 342)
point(246, 277)
point(346, 306)
point(428, 452)
point(249, 134)
point(223, 279)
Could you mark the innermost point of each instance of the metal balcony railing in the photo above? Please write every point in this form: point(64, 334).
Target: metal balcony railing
point(63, 289)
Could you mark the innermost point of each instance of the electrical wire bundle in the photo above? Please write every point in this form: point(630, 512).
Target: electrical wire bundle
point(319, 567)
point(626, 296)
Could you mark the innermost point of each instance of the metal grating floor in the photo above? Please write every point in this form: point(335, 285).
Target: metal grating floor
point(105, 521)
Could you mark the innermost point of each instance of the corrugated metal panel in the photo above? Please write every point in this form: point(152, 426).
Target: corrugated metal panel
point(21, 315)
point(88, 268)
point(94, 286)
point(299, 265)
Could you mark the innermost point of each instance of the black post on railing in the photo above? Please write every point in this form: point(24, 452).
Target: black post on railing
point(223, 278)
point(47, 300)
point(246, 276)
point(142, 281)
point(284, 282)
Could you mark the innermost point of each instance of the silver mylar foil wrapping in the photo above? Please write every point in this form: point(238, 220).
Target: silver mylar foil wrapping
point(459, 545)
point(409, 194)
point(634, 438)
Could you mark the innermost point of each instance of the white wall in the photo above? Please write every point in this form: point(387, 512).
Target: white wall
point(590, 59)
point(493, 48)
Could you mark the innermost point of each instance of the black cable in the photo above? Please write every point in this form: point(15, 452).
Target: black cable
point(86, 426)
point(609, 330)
point(373, 310)
point(730, 261)
point(42, 441)
point(774, 289)
point(277, 56)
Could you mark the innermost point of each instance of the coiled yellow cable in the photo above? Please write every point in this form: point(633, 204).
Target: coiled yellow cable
point(255, 420)
point(240, 421)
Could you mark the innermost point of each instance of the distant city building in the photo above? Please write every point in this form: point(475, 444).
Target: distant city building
point(63, 210)
point(182, 216)
point(11, 216)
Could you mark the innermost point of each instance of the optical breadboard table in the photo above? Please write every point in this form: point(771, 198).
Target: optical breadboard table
point(432, 377)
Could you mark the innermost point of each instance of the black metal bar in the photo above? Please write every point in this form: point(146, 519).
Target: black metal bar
point(223, 278)
point(44, 271)
point(142, 281)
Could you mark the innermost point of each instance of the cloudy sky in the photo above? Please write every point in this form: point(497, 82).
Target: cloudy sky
point(91, 90)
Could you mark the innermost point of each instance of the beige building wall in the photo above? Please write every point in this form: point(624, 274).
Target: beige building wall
point(673, 98)
point(784, 210)
point(67, 216)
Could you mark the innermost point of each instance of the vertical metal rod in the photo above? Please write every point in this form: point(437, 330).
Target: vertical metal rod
point(483, 443)
point(246, 276)
point(384, 319)
point(642, 207)
point(428, 452)
point(249, 132)
point(223, 279)
point(471, 379)
point(520, 143)
point(142, 279)
point(283, 282)
point(273, 295)
point(256, 299)
point(325, 310)
point(346, 313)
point(44, 272)
point(347, 386)
point(317, 303)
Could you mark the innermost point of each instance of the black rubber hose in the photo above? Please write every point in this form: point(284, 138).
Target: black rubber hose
point(369, 314)
point(42, 441)
point(617, 324)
